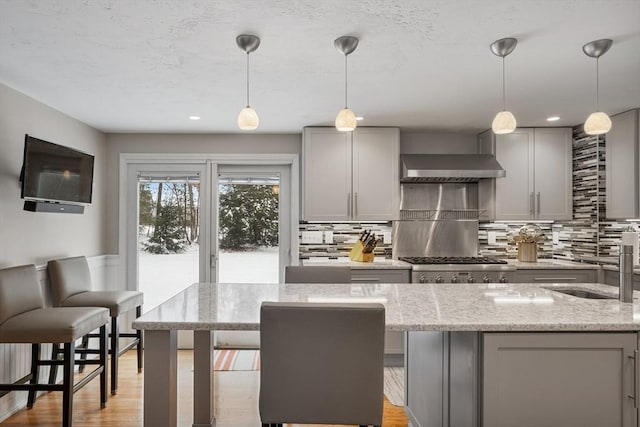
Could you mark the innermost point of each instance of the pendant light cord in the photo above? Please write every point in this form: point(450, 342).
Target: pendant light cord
point(504, 102)
point(247, 79)
point(597, 84)
point(345, 82)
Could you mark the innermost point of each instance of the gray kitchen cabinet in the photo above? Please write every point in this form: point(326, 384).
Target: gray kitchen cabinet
point(545, 275)
point(559, 379)
point(622, 167)
point(538, 185)
point(350, 176)
point(612, 278)
point(393, 341)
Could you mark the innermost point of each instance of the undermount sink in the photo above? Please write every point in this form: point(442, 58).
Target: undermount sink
point(582, 293)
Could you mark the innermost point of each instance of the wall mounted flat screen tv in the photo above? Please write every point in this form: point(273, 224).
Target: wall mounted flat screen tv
point(53, 172)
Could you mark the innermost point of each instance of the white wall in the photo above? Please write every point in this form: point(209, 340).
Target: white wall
point(183, 143)
point(30, 237)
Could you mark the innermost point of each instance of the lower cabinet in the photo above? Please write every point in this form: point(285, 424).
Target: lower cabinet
point(523, 379)
point(393, 341)
point(573, 275)
point(613, 278)
point(559, 379)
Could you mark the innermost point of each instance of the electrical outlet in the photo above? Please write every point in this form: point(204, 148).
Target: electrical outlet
point(328, 236)
point(311, 237)
point(556, 237)
point(491, 237)
point(386, 237)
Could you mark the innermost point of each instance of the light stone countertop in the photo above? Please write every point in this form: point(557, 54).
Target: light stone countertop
point(409, 307)
point(378, 263)
point(551, 264)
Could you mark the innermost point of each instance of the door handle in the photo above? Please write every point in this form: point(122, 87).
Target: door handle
point(531, 203)
point(355, 205)
point(349, 205)
point(635, 379)
point(538, 208)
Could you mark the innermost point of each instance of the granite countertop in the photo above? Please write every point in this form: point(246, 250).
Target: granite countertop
point(378, 263)
point(552, 264)
point(409, 307)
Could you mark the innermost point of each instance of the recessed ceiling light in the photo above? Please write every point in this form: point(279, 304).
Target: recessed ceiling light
point(553, 119)
point(194, 117)
point(358, 118)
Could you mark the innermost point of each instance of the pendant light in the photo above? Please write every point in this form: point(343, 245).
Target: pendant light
point(346, 119)
point(597, 123)
point(248, 118)
point(504, 121)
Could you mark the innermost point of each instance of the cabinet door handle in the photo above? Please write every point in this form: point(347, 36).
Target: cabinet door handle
point(531, 207)
point(366, 279)
point(554, 279)
point(349, 205)
point(538, 208)
point(355, 205)
point(635, 379)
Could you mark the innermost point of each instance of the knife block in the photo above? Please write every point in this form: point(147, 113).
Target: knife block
point(356, 253)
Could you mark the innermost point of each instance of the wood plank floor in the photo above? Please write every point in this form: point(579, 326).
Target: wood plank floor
point(236, 401)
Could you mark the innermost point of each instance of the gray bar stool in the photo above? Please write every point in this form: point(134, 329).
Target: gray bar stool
point(321, 363)
point(70, 282)
point(25, 320)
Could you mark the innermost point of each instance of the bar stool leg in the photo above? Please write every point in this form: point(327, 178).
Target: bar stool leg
point(35, 370)
point(104, 349)
point(67, 381)
point(139, 338)
point(83, 356)
point(53, 369)
point(115, 350)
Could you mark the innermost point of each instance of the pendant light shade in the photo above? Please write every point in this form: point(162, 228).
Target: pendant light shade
point(346, 119)
point(504, 121)
point(597, 123)
point(248, 118)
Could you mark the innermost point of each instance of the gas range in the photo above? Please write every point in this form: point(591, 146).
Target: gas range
point(459, 270)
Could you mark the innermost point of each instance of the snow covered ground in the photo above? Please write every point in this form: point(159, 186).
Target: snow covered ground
point(162, 276)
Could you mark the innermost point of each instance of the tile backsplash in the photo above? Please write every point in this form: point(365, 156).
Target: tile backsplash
point(335, 240)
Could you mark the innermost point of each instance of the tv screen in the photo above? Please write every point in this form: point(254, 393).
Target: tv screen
point(52, 172)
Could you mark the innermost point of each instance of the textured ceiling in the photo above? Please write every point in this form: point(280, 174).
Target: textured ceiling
point(145, 66)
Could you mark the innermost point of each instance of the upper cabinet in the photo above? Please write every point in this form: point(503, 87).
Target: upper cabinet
point(621, 163)
point(538, 185)
point(350, 176)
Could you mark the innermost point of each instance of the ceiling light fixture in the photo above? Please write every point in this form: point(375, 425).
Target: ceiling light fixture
point(504, 121)
point(194, 117)
point(597, 123)
point(248, 118)
point(346, 119)
point(553, 119)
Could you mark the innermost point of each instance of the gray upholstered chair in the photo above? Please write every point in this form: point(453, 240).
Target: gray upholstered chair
point(70, 281)
point(317, 274)
point(24, 319)
point(321, 363)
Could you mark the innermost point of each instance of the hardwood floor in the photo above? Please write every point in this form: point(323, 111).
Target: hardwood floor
point(236, 401)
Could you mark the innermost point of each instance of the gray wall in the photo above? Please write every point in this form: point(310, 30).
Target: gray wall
point(183, 143)
point(33, 238)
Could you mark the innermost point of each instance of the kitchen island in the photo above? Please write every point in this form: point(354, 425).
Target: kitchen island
point(475, 308)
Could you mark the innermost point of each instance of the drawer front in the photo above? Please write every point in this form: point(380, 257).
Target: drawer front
point(379, 276)
point(557, 276)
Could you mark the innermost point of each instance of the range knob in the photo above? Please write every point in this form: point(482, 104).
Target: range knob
point(439, 279)
point(423, 279)
point(454, 279)
point(503, 279)
point(486, 279)
point(471, 280)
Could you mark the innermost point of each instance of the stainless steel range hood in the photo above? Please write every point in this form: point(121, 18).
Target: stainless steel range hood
point(449, 167)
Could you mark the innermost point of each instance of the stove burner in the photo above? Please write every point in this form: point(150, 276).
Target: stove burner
point(451, 260)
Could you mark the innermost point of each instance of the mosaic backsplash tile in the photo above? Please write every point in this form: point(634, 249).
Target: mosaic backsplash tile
point(335, 240)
